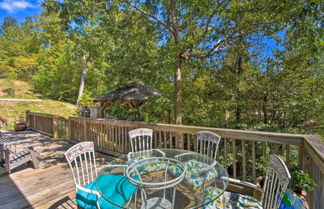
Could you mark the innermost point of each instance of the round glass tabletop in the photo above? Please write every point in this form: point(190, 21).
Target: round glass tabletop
point(184, 178)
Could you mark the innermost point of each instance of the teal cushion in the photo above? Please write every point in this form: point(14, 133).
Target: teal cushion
point(115, 188)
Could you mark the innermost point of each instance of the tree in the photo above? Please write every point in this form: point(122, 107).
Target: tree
point(19, 47)
point(201, 30)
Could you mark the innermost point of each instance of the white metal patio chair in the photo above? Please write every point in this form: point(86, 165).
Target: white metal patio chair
point(141, 139)
point(141, 144)
point(207, 145)
point(81, 159)
point(275, 185)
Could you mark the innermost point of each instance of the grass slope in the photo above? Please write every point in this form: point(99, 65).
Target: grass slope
point(22, 90)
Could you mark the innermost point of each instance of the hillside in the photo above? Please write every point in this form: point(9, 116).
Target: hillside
point(12, 110)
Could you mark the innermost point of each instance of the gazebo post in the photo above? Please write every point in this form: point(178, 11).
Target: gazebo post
point(103, 106)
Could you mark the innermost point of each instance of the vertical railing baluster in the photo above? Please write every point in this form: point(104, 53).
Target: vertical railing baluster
point(253, 161)
point(160, 139)
point(287, 147)
point(181, 140)
point(170, 140)
point(155, 145)
point(234, 159)
point(244, 159)
point(165, 139)
point(188, 141)
point(225, 153)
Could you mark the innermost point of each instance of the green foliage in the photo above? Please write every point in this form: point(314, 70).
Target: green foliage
point(86, 100)
point(303, 180)
point(19, 46)
point(227, 79)
point(120, 111)
point(10, 126)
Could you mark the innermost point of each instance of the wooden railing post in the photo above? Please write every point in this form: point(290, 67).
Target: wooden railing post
point(34, 122)
point(301, 156)
point(313, 163)
point(85, 130)
point(55, 126)
point(27, 118)
point(69, 129)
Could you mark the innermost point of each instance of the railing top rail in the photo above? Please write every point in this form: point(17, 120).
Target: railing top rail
point(41, 114)
point(281, 138)
point(48, 115)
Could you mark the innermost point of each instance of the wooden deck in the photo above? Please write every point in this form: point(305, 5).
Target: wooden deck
point(50, 186)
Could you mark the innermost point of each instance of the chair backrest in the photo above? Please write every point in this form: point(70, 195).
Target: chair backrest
point(276, 182)
point(207, 143)
point(141, 139)
point(81, 158)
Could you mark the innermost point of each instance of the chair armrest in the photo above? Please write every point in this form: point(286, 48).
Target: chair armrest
point(160, 151)
point(244, 184)
point(182, 155)
point(20, 147)
point(88, 190)
point(129, 157)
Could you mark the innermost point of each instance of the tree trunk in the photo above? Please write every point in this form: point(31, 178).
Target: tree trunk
point(238, 93)
point(264, 108)
point(83, 76)
point(178, 101)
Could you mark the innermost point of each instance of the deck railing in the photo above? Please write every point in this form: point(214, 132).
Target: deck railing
point(242, 152)
point(52, 125)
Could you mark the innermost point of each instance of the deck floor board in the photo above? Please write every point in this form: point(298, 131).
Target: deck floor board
point(50, 186)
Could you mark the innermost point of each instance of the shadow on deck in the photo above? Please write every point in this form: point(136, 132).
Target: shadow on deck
point(50, 186)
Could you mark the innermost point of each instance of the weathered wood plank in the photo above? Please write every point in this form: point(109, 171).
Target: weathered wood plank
point(253, 161)
point(225, 153)
point(234, 159)
point(287, 147)
point(244, 160)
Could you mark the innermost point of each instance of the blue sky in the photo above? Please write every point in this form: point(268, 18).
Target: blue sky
point(19, 9)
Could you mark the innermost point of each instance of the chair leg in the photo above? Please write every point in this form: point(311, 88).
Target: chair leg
point(7, 162)
point(34, 158)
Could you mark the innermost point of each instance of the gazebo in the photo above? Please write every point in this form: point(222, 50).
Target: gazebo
point(133, 94)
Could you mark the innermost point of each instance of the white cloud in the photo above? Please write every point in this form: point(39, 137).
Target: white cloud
point(13, 6)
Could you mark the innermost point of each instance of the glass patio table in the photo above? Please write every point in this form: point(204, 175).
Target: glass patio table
point(164, 178)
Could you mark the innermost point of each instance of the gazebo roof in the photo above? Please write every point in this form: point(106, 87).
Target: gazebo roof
point(129, 93)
